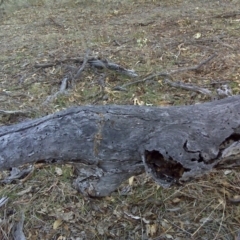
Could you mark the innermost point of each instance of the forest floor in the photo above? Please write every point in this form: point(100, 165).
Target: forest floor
point(42, 43)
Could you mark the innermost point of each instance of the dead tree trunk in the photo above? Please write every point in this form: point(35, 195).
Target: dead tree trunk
point(108, 144)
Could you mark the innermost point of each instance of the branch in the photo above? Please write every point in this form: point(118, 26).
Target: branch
point(65, 81)
point(62, 90)
point(104, 64)
point(83, 65)
point(189, 87)
point(194, 68)
point(168, 75)
point(227, 15)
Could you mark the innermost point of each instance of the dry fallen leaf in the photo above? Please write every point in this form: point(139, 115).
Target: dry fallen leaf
point(57, 223)
point(235, 199)
point(138, 102)
point(29, 189)
point(58, 171)
point(176, 200)
point(151, 229)
point(130, 180)
point(197, 35)
point(226, 172)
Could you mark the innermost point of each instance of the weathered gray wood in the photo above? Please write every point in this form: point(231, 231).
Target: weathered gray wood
point(108, 144)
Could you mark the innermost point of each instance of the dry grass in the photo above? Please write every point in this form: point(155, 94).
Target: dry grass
point(147, 36)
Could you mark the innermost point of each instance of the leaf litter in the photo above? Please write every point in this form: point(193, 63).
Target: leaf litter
point(153, 38)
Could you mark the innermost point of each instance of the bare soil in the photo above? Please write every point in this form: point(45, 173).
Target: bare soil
point(149, 37)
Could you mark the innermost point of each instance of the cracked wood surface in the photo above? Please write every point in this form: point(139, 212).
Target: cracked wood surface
point(108, 144)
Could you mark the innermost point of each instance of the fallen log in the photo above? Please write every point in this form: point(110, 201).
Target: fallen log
point(108, 144)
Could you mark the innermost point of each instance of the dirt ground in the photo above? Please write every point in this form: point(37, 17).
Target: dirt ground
point(195, 42)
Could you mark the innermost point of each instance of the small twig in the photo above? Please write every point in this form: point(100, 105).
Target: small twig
point(238, 236)
point(102, 84)
point(216, 83)
point(59, 61)
point(121, 70)
point(180, 228)
point(194, 68)
point(116, 42)
point(62, 90)
point(17, 230)
point(65, 80)
point(225, 44)
point(98, 63)
point(55, 23)
point(83, 65)
point(52, 97)
point(227, 15)
point(44, 65)
point(123, 87)
point(18, 112)
point(101, 80)
point(64, 84)
point(98, 96)
point(168, 75)
point(119, 88)
point(189, 87)
point(204, 222)
point(3, 200)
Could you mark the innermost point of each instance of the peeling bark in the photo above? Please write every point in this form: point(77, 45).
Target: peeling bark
point(108, 144)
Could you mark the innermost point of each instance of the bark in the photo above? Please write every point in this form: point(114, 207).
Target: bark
point(108, 144)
